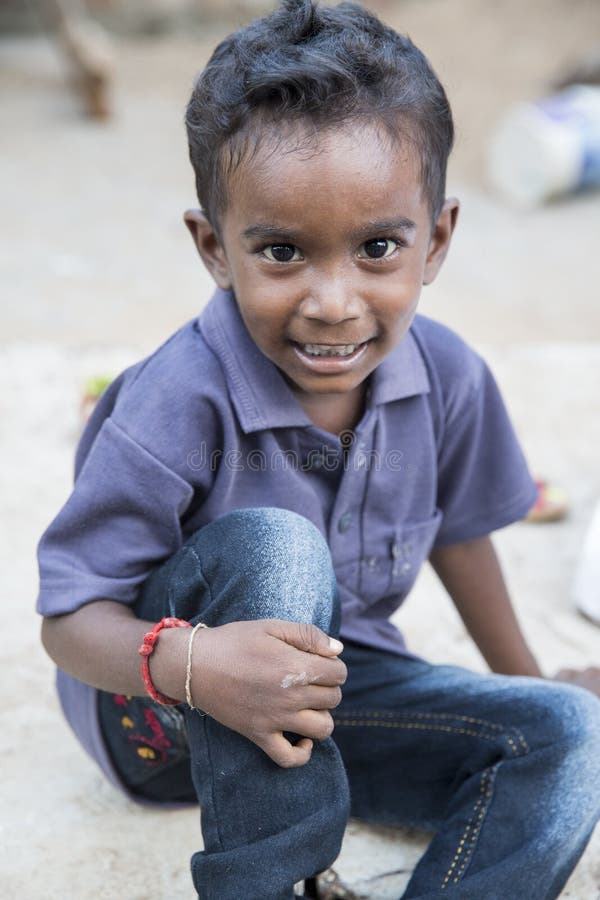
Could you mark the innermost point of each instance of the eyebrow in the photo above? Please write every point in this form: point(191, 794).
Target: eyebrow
point(383, 225)
point(268, 231)
point(376, 225)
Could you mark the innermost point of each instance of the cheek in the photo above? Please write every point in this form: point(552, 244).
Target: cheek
point(241, 274)
point(399, 302)
point(264, 318)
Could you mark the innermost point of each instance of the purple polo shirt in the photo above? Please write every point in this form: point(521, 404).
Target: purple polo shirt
point(208, 424)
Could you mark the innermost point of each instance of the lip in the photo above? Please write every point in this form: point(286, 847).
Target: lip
point(326, 365)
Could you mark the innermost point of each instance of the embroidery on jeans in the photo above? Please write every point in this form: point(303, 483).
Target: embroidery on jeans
point(153, 750)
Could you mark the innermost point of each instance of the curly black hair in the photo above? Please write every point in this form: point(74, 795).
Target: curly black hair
point(317, 66)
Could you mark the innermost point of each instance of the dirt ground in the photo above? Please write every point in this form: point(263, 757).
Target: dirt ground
point(96, 269)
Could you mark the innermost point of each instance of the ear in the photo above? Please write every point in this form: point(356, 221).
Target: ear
point(440, 239)
point(208, 245)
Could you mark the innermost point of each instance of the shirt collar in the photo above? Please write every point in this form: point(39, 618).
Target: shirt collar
point(261, 396)
point(401, 374)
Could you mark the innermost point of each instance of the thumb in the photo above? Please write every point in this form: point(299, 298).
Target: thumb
point(307, 637)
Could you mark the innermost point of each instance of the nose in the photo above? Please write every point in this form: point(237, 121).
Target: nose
point(331, 301)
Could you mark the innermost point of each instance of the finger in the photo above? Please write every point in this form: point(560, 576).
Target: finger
point(327, 672)
point(568, 675)
point(315, 697)
point(318, 671)
point(562, 673)
point(311, 723)
point(305, 636)
point(285, 754)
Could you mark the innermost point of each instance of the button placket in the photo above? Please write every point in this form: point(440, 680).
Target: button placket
point(314, 461)
point(318, 455)
point(345, 530)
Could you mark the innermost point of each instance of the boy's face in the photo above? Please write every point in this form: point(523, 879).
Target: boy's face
point(326, 246)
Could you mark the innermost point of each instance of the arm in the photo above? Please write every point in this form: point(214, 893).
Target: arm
point(240, 674)
point(98, 644)
point(471, 574)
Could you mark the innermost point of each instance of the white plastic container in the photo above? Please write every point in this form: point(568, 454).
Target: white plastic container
point(548, 148)
point(586, 587)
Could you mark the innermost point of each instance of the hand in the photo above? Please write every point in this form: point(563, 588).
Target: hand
point(586, 678)
point(264, 677)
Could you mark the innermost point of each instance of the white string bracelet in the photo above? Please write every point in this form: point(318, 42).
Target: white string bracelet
point(188, 672)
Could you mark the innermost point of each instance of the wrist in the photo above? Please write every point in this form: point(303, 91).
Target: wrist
point(524, 664)
point(168, 662)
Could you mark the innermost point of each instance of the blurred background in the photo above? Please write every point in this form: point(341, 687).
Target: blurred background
point(96, 269)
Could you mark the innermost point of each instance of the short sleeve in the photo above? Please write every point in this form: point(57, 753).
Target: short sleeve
point(121, 520)
point(483, 479)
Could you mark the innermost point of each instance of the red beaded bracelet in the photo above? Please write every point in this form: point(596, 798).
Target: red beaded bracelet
point(147, 648)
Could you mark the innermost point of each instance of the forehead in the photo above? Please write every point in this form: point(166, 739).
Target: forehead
point(338, 177)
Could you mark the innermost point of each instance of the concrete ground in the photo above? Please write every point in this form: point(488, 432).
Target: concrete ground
point(97, 269)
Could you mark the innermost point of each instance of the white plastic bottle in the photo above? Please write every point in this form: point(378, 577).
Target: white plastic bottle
point(586, 587)
point(548, 148)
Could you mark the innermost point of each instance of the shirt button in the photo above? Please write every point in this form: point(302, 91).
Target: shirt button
point(406, 568)
point(344, 522)
point(316, 462)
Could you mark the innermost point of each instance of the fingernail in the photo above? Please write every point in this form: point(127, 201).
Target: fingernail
point(335, 645)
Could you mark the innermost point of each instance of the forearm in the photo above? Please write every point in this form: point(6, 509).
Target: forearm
point(98, 644)
point(471, 574)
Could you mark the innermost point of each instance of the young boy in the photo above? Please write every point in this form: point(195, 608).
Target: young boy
point(278, 471)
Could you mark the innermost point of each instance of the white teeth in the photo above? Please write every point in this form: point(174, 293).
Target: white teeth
point(329, 350)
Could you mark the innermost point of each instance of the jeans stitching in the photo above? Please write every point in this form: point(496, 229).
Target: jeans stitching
point(474, 826)
point(379, 715)
point(426, 727)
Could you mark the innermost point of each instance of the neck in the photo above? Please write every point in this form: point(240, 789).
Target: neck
point(335, 412)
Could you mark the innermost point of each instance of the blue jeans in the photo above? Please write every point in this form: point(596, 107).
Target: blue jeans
point(504, 770)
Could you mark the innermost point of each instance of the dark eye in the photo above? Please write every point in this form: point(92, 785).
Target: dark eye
point(378, 248)
point(282, 253)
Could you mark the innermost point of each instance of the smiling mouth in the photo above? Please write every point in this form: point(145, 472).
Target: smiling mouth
point(330, 359)
point(339, 350)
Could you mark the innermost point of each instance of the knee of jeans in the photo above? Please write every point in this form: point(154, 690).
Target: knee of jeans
point(582, 721)
point(569, 716)
point(277, 559)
